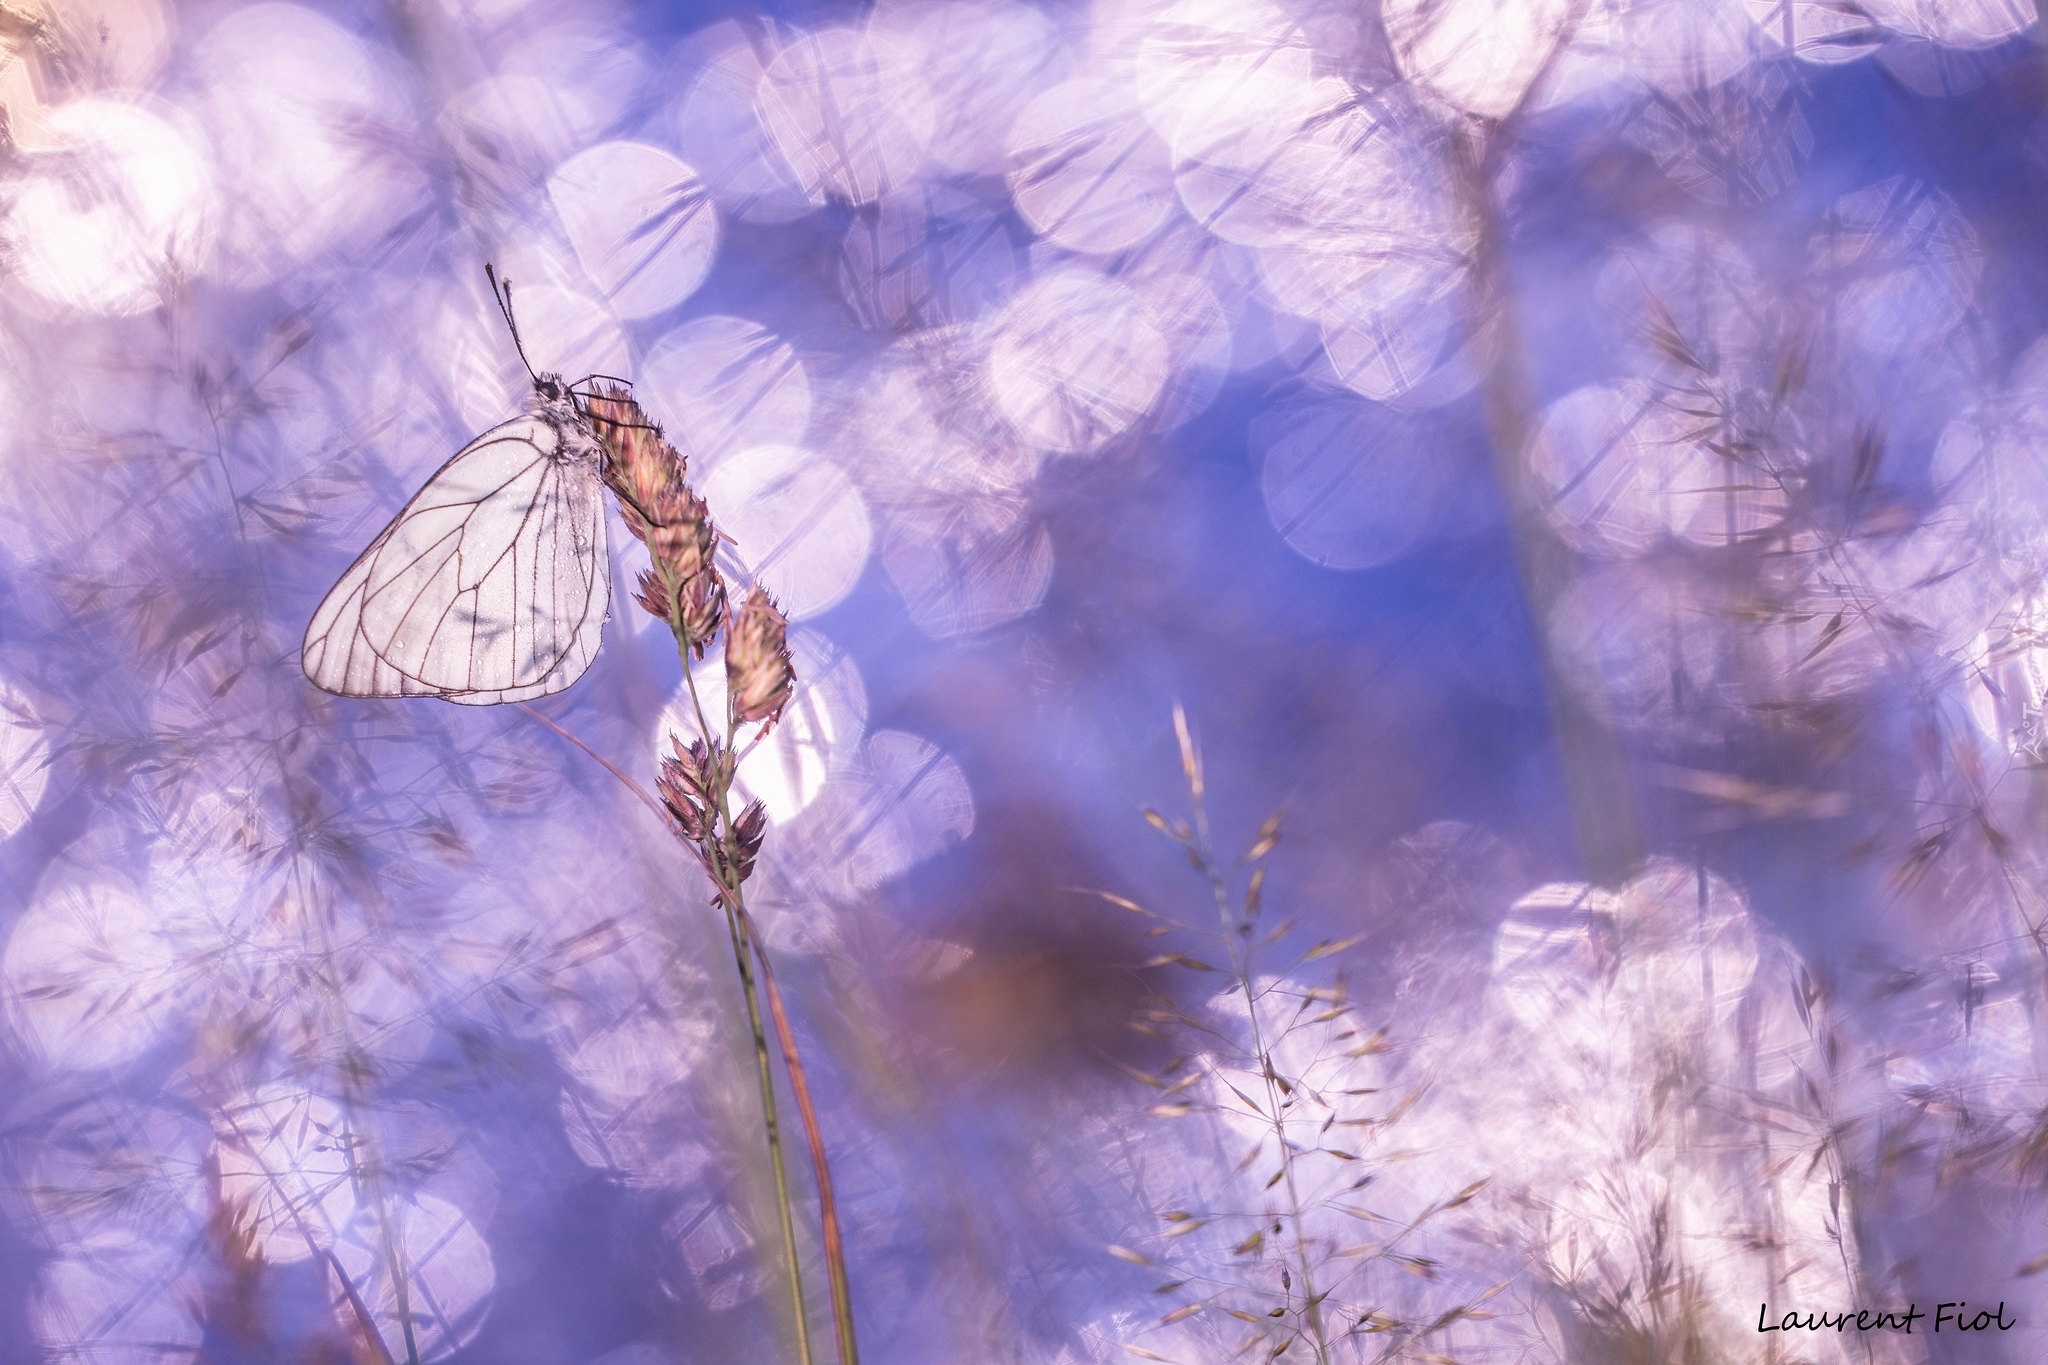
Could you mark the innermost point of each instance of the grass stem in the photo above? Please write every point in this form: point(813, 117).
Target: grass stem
point(1240, 965)
point(735, 907)
point(828, 1208)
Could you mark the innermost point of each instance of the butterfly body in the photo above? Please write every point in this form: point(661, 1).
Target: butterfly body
point(492, 584)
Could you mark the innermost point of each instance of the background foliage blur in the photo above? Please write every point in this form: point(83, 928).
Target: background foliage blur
point(1582, 460)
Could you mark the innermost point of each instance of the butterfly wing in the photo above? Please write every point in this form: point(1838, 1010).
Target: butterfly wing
point(491, 585)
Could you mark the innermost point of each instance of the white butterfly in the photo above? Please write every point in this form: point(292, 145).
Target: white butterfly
point(492, 585)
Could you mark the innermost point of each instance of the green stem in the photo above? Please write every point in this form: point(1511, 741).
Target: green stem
point(828, 1212)
point(772, 1125)
point(729, 898)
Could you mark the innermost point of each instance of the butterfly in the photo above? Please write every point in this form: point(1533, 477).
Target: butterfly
point(491, 585)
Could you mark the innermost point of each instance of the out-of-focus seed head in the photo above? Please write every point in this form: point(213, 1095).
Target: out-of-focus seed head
point(759, 676)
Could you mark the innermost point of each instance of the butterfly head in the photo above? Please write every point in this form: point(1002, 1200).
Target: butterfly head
point(557, 403)
point(558, 399)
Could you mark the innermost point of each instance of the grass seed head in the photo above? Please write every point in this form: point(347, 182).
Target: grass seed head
point(691, 782)
point(640, 464)
point(661, 509)
point(747, 832)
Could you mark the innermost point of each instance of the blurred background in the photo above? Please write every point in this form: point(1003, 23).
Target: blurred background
point(1579, 462)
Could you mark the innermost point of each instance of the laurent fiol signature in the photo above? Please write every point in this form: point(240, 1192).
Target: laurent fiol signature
point(1954, 1316)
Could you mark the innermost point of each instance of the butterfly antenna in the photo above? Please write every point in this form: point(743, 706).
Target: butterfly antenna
point(502, 292)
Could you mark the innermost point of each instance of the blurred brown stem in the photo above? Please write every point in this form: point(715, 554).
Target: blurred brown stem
point(1589, 753)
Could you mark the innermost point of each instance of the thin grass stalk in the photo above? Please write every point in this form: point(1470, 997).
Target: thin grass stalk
point(735, 906)
point(371, 1175)
point(772, 1128)
point(366, 1321)
point(1240, 966)
point(792, 1059)
point(387, 1233)
point(684, 588)
point(828, 1208)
